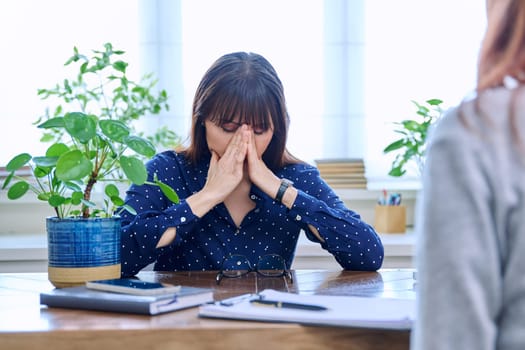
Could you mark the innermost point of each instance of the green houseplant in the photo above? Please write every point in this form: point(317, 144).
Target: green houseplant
point(412, 144)
point(90, 145)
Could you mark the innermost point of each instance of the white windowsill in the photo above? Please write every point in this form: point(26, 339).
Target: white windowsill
point(32, 249)
point(23, 246)
point(395, 244)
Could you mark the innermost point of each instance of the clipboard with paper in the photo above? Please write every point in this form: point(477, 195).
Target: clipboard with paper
point(342, 311)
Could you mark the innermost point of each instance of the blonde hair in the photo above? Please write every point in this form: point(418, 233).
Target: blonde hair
point(502, 55)
point(502, 52)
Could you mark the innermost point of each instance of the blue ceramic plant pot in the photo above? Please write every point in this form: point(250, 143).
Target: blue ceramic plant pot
point(81, 250)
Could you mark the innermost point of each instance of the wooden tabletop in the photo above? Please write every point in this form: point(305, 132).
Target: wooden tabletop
point(24, 324)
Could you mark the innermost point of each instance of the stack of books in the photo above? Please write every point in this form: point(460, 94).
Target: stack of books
point(82, 297)
point(343, 172)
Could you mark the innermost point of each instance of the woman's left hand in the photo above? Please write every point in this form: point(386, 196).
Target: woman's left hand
point(258, 172)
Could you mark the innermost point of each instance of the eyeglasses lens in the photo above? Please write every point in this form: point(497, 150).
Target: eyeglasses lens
point(271, 265)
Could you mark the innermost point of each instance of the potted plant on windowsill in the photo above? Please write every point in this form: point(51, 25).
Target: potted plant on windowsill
point(89, 146)
point(412, 144)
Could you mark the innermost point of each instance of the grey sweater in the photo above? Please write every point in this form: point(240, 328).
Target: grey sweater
point(470, 224)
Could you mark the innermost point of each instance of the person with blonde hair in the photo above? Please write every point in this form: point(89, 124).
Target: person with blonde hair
point(471, 213)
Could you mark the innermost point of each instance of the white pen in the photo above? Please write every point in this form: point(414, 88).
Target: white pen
point(234, 300)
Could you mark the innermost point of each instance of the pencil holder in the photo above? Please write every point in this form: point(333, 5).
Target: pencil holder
point(390, 218)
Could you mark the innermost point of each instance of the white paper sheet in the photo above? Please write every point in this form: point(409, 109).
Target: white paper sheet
point(348, 311)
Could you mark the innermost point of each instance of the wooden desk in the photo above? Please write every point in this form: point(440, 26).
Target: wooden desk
point(24, 324)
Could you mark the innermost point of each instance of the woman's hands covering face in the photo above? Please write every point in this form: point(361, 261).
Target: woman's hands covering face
point(240, 160)
point(225, 173)
point(258, 172)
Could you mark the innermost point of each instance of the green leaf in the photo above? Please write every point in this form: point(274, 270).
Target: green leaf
point(120, 66)
point(394, 146)
point(45, 161)
point(411, 152)
point(57, 149)
point(8, 180)
point(44, 196)
point(114, 129)
point(42, 171)
point(134, 169)
point(93, 153)
point(88, 203)
point(47, 137)
point(80, 126)
point(56, 200)
point(411, 125)
point(397, 172)
point(83, 67)
point(74, 186)
point(141, 146)
point(168, 192)
point(67, 86)
point(18, 190)
point(18, 162)
point(98, 213)
point(434, 102)
point(57, 122)
point(108, 47)
point(117, 201)
point(75, 212)
point(423, 111)
point(76, 197)
point(73, 165)
point(111, 190)
point(129, 209)
point(113, 150)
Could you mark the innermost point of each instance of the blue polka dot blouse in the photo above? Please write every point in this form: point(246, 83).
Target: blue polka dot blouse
point(270, 228)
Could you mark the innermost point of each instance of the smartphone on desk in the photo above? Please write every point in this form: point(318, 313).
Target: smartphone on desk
point(133, 286)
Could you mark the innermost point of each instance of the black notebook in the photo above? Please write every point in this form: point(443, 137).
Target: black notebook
point(89, 299)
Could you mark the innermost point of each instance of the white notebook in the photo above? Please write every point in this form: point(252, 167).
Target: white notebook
point(347, 311)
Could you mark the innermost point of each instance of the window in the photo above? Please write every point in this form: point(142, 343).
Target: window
point(349, 68)
point(415, 50)
point(288, 33)
point(37, 38)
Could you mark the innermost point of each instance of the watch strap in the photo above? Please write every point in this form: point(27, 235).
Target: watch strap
point(282, 189)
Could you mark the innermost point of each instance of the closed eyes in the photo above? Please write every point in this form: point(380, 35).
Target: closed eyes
point(233, 126)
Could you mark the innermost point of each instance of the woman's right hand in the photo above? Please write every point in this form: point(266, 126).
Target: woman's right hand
point(224, 175)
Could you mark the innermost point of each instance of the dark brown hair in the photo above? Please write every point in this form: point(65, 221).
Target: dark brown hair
point(245, 86)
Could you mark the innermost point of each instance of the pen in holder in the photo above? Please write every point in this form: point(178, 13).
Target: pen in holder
point(390, 215)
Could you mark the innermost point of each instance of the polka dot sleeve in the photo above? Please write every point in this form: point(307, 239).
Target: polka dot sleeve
point(141, 236)
point(354, 243)
point(155, 214)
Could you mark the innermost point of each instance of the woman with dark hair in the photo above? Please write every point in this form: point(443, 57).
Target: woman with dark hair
point(242, 193)
point(471, 214)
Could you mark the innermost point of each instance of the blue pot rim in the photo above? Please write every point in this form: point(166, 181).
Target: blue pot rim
point(57, 219)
